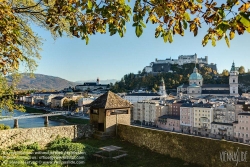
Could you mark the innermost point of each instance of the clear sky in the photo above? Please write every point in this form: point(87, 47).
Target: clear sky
point(111, 57)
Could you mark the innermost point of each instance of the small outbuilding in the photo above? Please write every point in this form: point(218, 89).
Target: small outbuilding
point(107, 111)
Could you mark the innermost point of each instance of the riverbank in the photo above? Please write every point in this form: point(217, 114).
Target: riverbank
point(59, 118)
point(35, 110)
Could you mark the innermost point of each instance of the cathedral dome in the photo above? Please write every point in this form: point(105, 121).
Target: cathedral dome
point(195, 75)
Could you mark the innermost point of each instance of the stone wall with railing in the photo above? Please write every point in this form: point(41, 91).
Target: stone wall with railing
point(42, 135)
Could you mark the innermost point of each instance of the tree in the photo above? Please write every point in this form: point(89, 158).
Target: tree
point(82, 18)
point(242, 70)
point(225, 73)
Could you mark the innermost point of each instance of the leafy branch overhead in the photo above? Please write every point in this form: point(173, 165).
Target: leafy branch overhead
point(82, 18)
point(223, 18)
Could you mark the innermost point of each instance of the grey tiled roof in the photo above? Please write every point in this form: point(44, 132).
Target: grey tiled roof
point(187, 105)
point(183, 86)
point(221, 123)
point(143, 94)
point(170, 117)
point(215, 86)
point(244, 113)
point(215, 92)
point(58, 98)
point(203, 105)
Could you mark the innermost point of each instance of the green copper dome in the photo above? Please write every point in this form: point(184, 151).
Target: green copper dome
point(195, 75)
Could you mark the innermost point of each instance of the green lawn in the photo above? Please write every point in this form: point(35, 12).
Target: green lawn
point(70, 120)
point(35, 110)
point(137, 156)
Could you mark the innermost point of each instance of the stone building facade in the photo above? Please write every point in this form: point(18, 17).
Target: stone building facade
point(196, 88)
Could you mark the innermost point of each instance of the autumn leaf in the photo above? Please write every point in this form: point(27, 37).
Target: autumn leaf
point(227, 41)
point(231, 34)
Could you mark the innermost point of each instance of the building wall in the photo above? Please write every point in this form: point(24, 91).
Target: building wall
point(186, 118)
point(200, 112)
point(42, 135)
point(176, 108)
point(148, 112)
point(169, 124)
point(55, 102)
point(216, 129)
point(242, 128)
point(110, 121)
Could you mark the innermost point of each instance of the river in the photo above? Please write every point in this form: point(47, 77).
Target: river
point(28, 123)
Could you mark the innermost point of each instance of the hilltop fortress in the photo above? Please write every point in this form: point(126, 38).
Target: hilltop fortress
point(165, 65)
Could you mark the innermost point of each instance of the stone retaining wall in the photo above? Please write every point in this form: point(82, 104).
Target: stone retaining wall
point(194, 149)
point(42, 135)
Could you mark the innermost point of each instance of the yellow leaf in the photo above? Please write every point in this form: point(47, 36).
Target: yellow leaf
point(231, 35)
point(227, 41)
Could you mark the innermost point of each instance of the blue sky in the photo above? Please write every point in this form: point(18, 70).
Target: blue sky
point(111, 57)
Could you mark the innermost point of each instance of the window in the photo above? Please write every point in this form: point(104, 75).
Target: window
point(233, 80)
point(95, 111)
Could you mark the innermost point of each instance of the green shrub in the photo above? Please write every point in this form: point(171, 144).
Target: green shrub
point(34, 146)
point(73, 147)
point(20, 147)
point(4, 127)
point(89, 151)
point(59, 140)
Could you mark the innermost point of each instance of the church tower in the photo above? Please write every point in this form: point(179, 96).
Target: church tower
point(162, 89)
point(233, 81)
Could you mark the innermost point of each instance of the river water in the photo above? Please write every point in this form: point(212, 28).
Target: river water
point(27, 123)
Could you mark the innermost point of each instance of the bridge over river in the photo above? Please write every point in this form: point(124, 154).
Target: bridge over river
point(33, 115)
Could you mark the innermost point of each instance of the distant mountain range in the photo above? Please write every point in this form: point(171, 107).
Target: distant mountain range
point(44, 82)
point(107, 81)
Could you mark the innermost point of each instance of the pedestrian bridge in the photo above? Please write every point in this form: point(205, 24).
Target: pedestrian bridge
point(33, 115)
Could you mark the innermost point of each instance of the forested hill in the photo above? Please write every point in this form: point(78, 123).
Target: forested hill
point(179, 76)
point(43, 82)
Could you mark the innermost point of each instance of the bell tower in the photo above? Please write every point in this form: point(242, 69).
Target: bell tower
point(233, 81)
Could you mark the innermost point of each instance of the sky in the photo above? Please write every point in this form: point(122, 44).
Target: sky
point(111, 57)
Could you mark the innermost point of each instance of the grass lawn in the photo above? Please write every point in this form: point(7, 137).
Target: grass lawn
point(137, 156)
point(70, 120)
point(35, 110)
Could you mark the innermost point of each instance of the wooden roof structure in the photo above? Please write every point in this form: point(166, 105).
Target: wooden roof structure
point(110, 100)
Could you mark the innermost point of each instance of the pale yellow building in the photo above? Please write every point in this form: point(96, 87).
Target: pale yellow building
point(57, 102)
point(203, 117)
point(147, 112)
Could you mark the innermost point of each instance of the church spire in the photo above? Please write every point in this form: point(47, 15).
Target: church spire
point(233, 67)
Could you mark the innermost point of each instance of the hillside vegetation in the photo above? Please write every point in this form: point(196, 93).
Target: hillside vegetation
point(43, 82)
point(179, 76)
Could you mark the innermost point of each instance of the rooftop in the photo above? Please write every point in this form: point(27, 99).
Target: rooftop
point(221, 123)
point(169, 117)
point(215, 86)
point(215, 92)
point(143, 94)
point(110, 100)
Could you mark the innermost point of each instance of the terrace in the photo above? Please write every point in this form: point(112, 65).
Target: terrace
point(137, 156)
